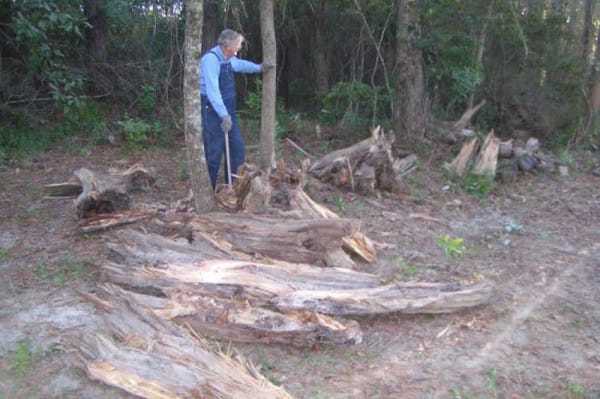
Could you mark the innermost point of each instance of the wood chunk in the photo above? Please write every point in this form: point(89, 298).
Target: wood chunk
point(460, 163)
point(488, 157)
point(394, 298)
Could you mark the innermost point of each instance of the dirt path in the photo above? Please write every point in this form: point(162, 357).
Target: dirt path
point(538, 240)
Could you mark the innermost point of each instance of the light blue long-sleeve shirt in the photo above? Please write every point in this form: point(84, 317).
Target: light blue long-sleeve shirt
point(210, 67)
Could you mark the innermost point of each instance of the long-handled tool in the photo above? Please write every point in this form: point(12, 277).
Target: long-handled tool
point(227, 158)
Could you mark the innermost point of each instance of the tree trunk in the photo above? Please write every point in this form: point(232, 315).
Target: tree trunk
point(192, 107)
point(267, 128)
point(586, 36)
point(319, 51)
point(96, 34)
point(210, 28)
point(412, 109)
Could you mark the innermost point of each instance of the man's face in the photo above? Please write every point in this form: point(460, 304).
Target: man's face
point(231, 51)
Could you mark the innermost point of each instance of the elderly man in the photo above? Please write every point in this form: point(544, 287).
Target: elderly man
point(217, 89)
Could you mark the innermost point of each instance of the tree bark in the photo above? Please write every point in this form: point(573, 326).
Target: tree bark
point(210, 26)
point(486, 162)
point(412, 114)
point(268, 109)
point(96, 35)
point(586, 36)
point(192, 108)
point(321, 63)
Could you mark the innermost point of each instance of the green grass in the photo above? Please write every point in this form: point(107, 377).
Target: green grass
point(406, 269)
point(453, 247)
point(21, 360)
point(62, 272)
point(575, 391)
point(3, 254)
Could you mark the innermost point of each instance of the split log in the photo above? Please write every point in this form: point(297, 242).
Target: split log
point(290, 287)
point(505, 149)
point(460, 163)
point(408, 298)
point(301, 241)
point(150, 358)
point(239, 322)
point(361, 166)
point(70, 189)
point(488, 156)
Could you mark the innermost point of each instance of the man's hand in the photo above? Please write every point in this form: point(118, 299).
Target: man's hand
point(266, 67)
point(226, 124)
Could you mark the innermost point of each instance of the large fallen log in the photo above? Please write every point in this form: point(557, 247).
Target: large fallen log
point(365, 166)
point(238, 321)
point(292, 287)
point(150, 358)
point(394, 298)
point(312, 241)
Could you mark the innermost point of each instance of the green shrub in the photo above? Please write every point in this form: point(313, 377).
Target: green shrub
point(478, 185)
point(353, 103)
point(139, 133)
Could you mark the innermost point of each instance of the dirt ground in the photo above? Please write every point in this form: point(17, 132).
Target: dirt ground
point(537, 239)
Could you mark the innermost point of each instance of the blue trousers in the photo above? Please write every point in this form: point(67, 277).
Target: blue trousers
point(214, 140)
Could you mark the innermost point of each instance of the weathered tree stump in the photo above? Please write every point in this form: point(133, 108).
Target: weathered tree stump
point(486, 162)
point(101, 193)
point(461, 162)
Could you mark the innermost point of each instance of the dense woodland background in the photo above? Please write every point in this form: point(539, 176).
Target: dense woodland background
point(94, 69)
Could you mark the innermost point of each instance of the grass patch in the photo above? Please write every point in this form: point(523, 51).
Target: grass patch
point(62, 272)
point(3, 254)
point(406, 269)
point(575, 391)
point(22, 359)
point(453, 247)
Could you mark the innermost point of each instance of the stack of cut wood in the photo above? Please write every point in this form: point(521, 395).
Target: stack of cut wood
point(365, 167)
point(495, 158)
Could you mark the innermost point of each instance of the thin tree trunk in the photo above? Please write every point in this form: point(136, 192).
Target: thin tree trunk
point(481, 47)
point(96, 35)
point(211, 20)
point(192, 107)
point(412, 110)
point(587, 33)
point(320, 50)
point(267, 129)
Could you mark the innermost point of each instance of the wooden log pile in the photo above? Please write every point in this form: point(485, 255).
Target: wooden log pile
point(277, 302)
point(500, 159)
point(366, 166)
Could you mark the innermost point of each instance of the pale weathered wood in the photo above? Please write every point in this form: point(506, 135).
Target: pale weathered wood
point(459, 165)
point(137, 352)
point(300, 241)
point(69, 189)
point(393, 298)
point(106, 221)
point(488, 157)
point(102, 193)
point(235, 320)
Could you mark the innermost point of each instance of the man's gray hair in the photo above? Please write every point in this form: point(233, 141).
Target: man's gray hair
point(228, 37)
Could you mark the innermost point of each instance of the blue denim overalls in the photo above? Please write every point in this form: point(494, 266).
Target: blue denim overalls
point(212, 134)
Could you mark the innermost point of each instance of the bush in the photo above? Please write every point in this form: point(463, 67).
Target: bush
point(354, 104)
